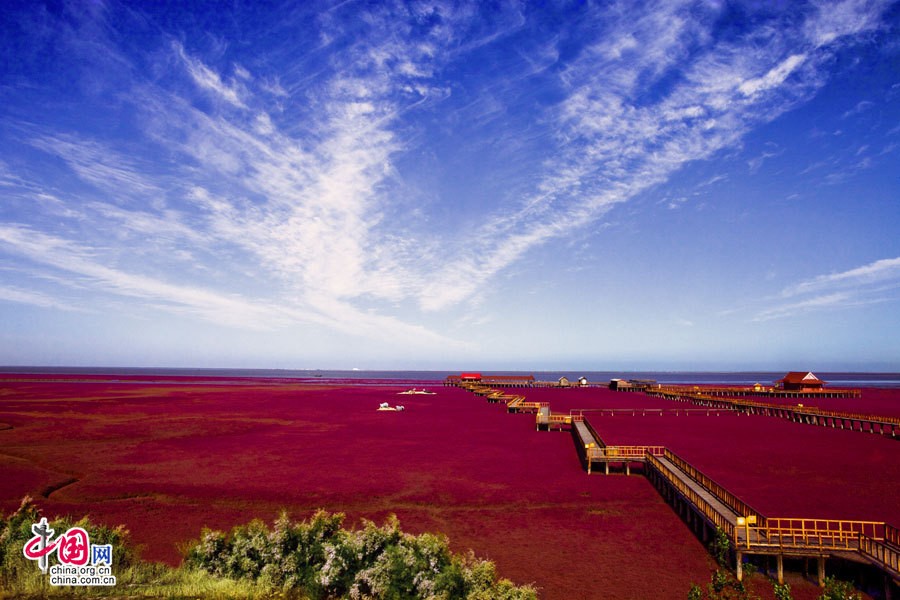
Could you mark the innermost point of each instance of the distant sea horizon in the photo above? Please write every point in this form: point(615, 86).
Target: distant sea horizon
point(833, 378)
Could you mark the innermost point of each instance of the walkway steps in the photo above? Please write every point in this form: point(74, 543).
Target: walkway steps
point(883, 554)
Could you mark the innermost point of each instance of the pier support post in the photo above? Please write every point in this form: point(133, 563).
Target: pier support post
point(739, 567)
point(606, 465)
point(821, 571)
point(627, 468)
point(779, 565)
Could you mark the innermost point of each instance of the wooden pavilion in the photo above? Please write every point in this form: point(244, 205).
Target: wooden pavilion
point(801, 381)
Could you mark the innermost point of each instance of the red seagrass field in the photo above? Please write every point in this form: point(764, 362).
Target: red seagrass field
point(169, 456)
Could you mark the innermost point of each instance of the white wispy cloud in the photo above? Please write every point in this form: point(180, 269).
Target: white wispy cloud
point(877, 272)
point(872, 283)
point(774, 78)
point(77, 261)
point(33, 298)
point(308, 206)
point(290, 179)
point(834, 20)
point(860, 108)
point(617, 139)
point(210, 80)
point(99, 165)
point(792, 308)
point(756, 162)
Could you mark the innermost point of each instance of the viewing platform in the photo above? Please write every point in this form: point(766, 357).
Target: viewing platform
point(545, 419)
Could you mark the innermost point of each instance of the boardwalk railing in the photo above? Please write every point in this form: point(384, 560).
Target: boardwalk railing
point(632, 452)
point(519, 404)
point(892, 535)
point(622, 453)
point(594, 433)
point(765, 391)
point(643, 412)
point(512, 402)
point(702, 505)
point(806, 534)
point(546, 418)
point(813, 411)
point(883, 554)
point(883, 424)
point(727, 498)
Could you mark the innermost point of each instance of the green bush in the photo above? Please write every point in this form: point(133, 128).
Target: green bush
point(782, 591)
point(835, 589)
point(17, 572)
point(320, 559)
point(310, 560)
point(720, 547)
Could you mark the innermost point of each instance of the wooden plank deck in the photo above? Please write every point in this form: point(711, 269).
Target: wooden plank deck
point(584, 434)
point(704, 501)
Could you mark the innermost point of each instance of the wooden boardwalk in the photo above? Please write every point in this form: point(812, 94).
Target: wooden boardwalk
point(807, 415)
point(760, 391)
point(707, 506)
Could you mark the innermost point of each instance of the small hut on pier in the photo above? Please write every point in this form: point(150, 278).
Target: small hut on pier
point(800, 381)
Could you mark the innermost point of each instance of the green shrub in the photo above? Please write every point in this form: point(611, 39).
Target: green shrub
point(835, 589)
point(321, 560)
point(308, 560)
point(720, 547)
point(782, 591)
point(19, 573)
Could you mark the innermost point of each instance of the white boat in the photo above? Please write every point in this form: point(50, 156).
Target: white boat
point(421, 392)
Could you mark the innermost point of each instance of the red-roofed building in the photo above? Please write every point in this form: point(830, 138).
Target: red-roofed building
point(801, 381)
point(470, 376)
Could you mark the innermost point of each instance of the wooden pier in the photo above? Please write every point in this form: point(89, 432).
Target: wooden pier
point(808, 415)
point(707, 506)
point(759, 391)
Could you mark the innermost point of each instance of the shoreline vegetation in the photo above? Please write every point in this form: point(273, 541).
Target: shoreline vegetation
point(311, 559)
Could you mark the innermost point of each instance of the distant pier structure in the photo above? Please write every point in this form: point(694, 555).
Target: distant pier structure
point(511, 381)
point(795, 384)
point(518, 381)
point(632, 385)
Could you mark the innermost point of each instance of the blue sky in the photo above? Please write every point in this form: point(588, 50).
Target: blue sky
point(446, 185)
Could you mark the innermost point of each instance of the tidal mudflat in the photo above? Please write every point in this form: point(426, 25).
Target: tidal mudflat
point(169, 456)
